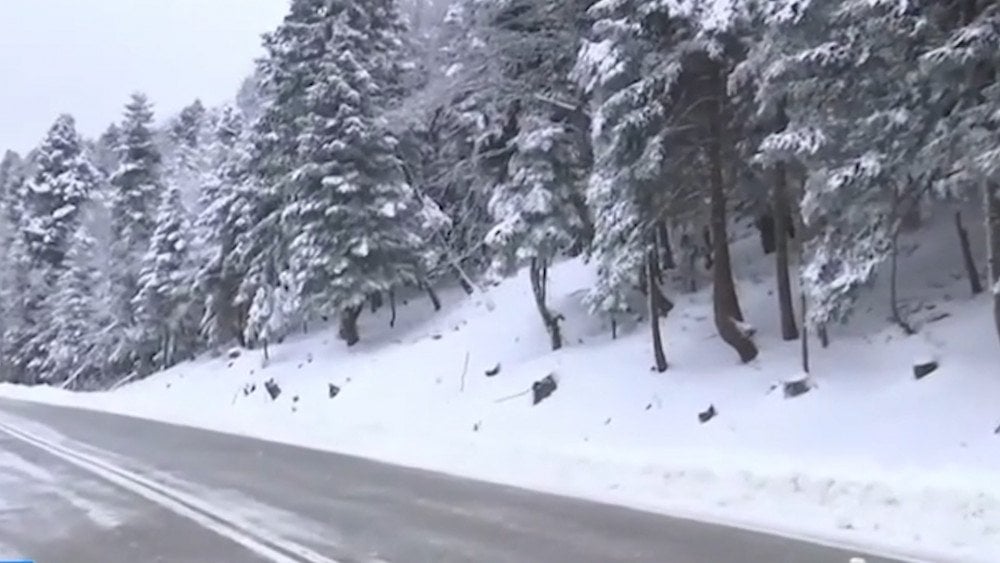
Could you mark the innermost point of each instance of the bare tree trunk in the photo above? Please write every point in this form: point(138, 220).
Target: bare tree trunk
point(728, 316)
point(805, 334)
point(667, 261)
point(538, 276)
point(897, 225)
point(781, 219)
point(991, 196)
point(349, 325)
point(267, 354)
point(654, 287)
point(975, 284)
point(376, 301)
point(392, 308)
point(655, 310)
point(435, 300)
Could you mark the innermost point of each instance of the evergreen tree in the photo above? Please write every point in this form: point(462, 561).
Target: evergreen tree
point(219, 224)
point(352, 221)
point(535, 209)
point(162, 305)
point(55, 195)
point(54, 200)
point(78, 318)
point(137, 190)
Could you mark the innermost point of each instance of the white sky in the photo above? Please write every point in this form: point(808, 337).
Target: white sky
point(85, 57)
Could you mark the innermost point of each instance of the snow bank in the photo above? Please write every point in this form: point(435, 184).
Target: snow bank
point(869, 456)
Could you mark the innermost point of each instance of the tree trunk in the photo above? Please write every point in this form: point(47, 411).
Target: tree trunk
point(267, 355)
point(392, 308)
point(824, 336)
point(666, 251)
point(349, 324)
point(781, 217)
point(975, 284)
point(653, 287)
point(435, 300)
point(376, 301)
point(896, 226)
point(538, 275)
point(897, 315)
point(655, 310)
point(991, 195)
point(728, 316)
point(805, 334)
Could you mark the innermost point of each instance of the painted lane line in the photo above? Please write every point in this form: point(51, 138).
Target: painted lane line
point(262, 543)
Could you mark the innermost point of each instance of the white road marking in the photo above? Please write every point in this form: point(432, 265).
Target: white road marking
point(261, 542)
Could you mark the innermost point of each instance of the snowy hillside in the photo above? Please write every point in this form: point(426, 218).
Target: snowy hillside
point(870, 455)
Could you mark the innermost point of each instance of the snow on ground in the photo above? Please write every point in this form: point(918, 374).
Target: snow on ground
point(870, 457)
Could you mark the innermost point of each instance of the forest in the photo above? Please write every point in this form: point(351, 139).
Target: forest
point(386, 147)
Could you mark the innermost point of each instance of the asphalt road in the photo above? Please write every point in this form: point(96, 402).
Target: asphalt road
point(78, 486)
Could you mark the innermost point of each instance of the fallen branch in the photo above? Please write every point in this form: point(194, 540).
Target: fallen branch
point(511, 397)
point(465, 370)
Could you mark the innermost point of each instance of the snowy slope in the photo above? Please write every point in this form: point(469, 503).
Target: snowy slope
point(871, 456)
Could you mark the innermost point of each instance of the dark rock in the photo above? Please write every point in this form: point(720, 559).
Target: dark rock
point(295, 399)
point(436, 336)
point(333, 390)
point(709, 414)
point(272, 388)
point(234, 353)
point(248, 389)
point(649, 406)
point(493, 371)
point(997, 430)
point(543, 388)
point(607, 422)
point(792, 389)
point(924, 369)
point(475, 427)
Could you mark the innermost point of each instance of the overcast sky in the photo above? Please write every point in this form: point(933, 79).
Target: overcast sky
point(85, 57)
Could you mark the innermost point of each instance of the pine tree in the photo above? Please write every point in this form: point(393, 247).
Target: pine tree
point(162, 305)
point(351, 219)
point(218, 277)
point(78, 318)
point(55, 195)
point(136, 194)
point(137, 190)
point(53, 204)
point(535, 209)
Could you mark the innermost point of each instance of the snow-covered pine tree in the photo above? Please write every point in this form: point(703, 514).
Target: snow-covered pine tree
point(657, 73)
point(352, 222)
point(188, 162)
point(136, 191)
point(55, 195)
point(217, 278)
point(961, 70)
point(535, 210)
point(54, 200)
point(163, 310)
point(77, 318)
point(13, 276)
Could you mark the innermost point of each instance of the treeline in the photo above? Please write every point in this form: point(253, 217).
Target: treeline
point(366, 156)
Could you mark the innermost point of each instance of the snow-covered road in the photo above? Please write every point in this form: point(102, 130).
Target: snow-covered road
point(88, 486)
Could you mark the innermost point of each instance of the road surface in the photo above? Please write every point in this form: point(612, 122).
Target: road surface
point(88, 487)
